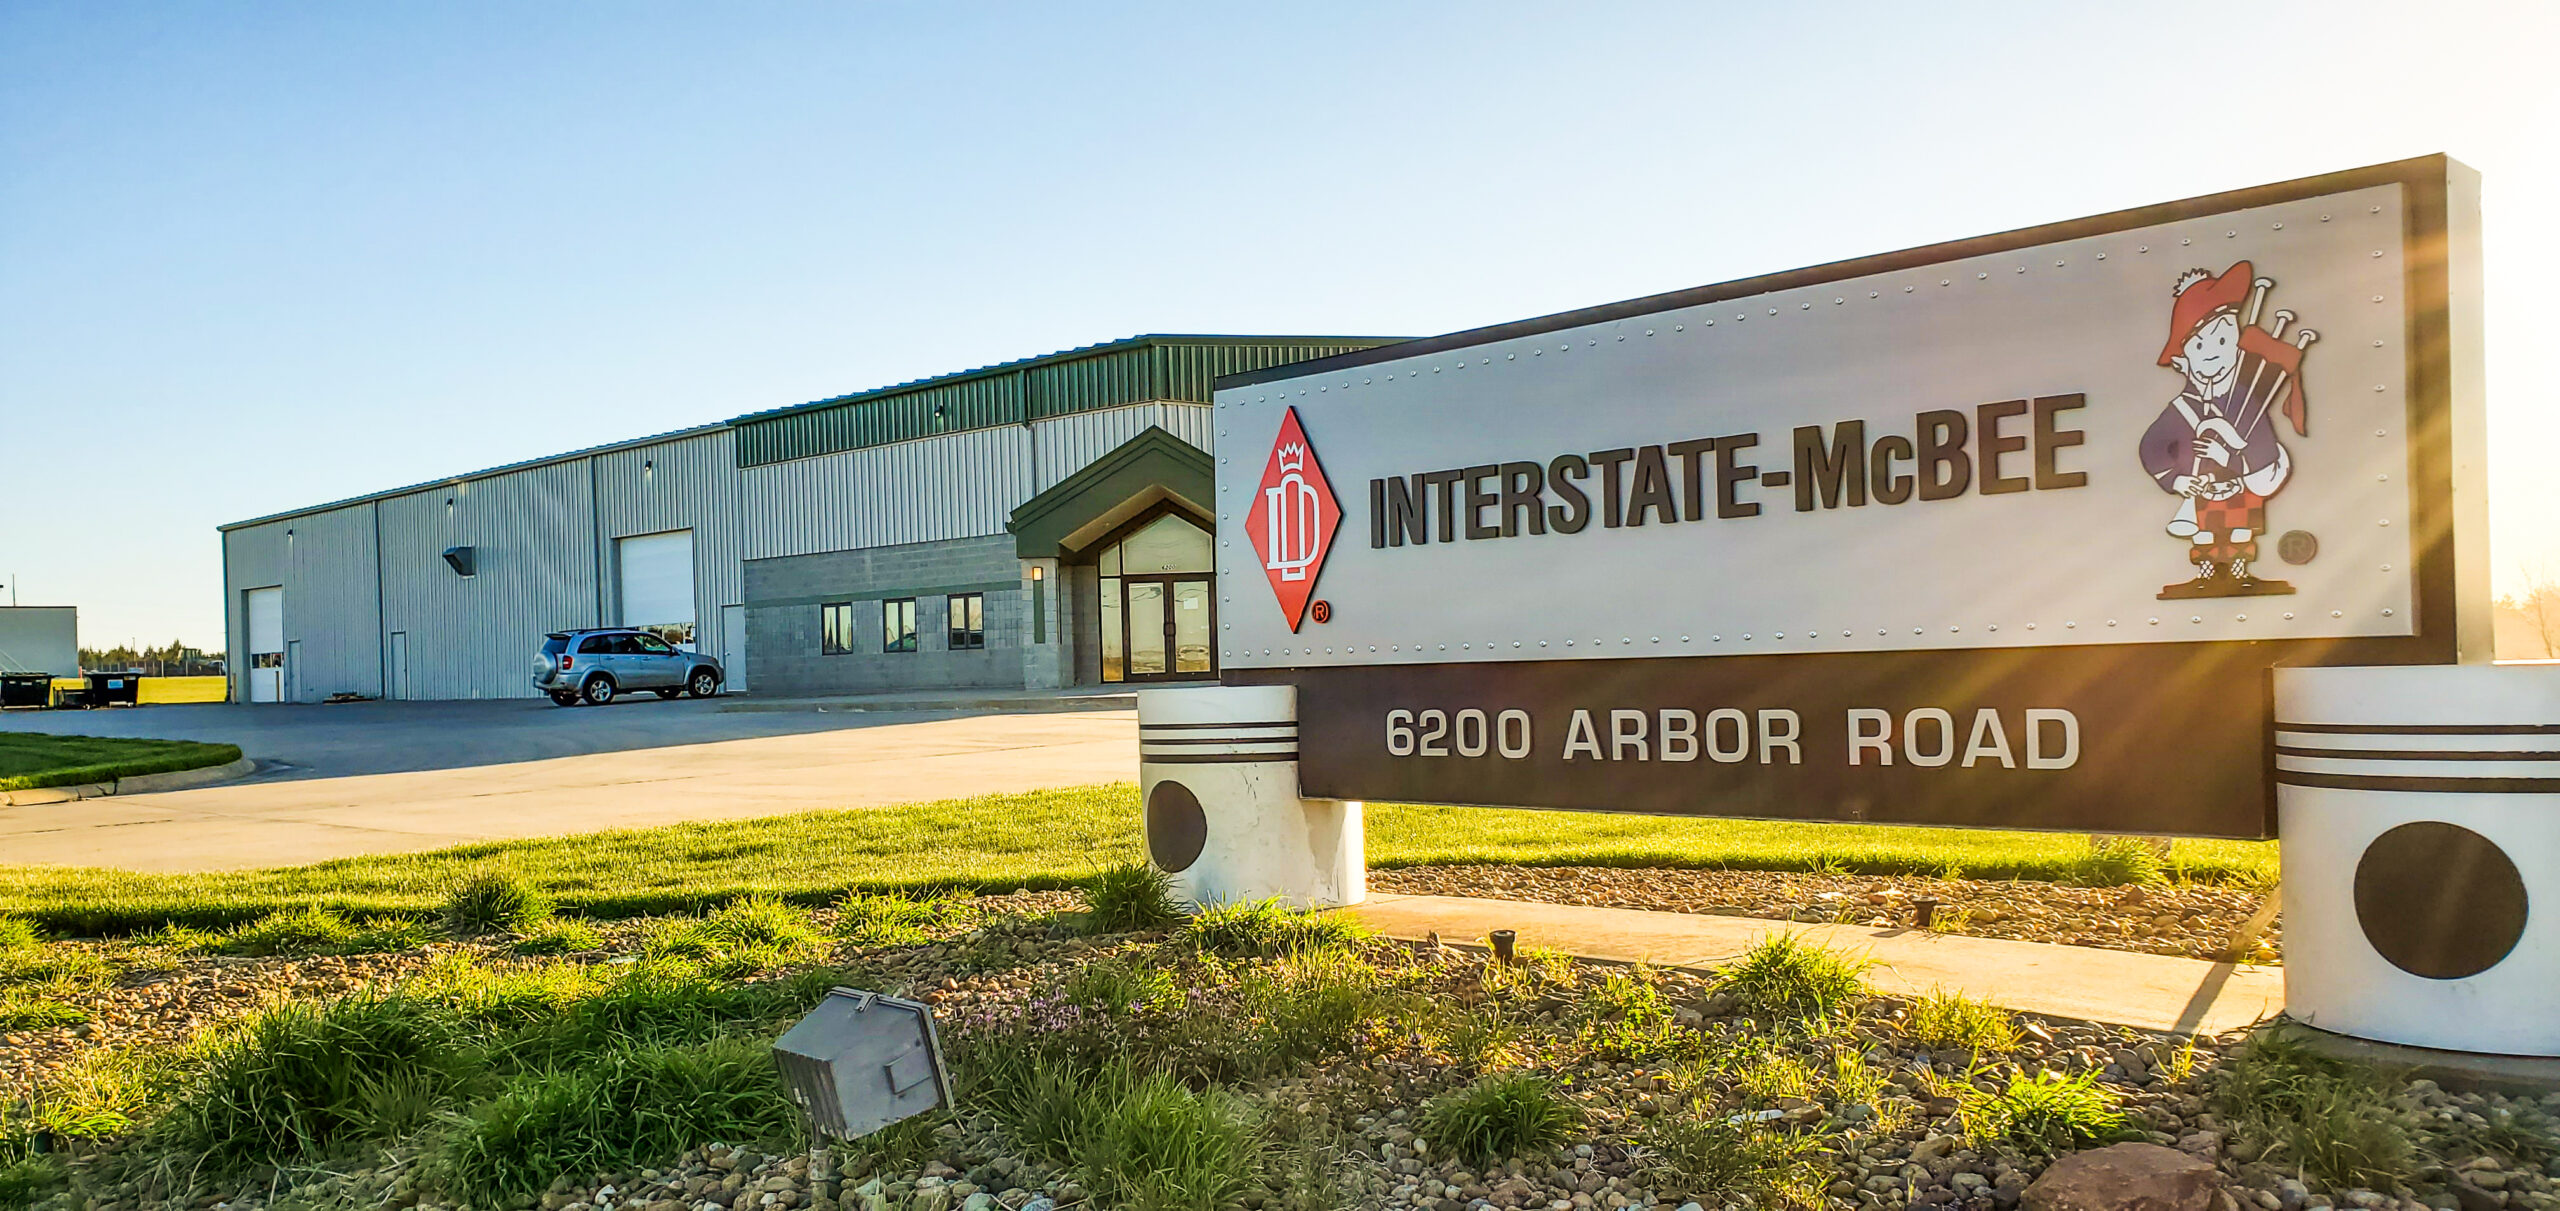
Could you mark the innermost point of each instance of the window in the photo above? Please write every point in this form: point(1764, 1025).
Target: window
point(898, 625)
point(835, 628)
point(651, 645)
point(968, 622)
point(596, 645)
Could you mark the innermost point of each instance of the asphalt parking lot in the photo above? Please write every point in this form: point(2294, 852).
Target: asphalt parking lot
point(382, 777)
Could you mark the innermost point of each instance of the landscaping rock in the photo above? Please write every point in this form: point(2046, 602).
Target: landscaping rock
point(2126, 1177)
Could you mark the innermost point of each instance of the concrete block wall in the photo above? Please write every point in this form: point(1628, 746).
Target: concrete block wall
point(784, 598)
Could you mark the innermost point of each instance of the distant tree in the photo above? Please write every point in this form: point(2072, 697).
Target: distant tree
point(2537, 601)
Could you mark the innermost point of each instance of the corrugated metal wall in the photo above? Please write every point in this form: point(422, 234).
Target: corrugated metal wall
point(691, 484)
point(1110, 376)
point(325, 563)
point(533, 534)
point(1067, 444)
point(962, 485)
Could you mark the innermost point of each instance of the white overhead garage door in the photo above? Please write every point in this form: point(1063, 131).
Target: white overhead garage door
point(266, 645)
point(657, 583)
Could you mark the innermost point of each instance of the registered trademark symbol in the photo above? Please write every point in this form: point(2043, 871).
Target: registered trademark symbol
point(2297, 546)
point(1323, 610)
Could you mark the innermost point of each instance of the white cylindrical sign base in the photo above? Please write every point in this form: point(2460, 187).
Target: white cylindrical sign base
point(2419, 808)
point(1218, 785)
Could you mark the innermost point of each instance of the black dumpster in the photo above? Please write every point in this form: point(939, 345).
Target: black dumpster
point(26, 689)
point(110, 689)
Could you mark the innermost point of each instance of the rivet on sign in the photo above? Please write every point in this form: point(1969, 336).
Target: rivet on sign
point(2022, 269)
point(2070, 626)
point(2377, 298)
point(1648, 332)
point(1594, 343)
point(1715, 639)
point(1809, 306)
point(2111, 622)
point(2379, 387)
point(2383, 478)
point(1982, 277)
point(2384, 522)
point(1915, 630)
point(1710, 324)
point(1542, 643)
point(1837, 301)
point(2184, 242)
point(2155, 622)
point(2337, 613)
point(1444, 647)
point(2373, 210)
point(1568, 643)
point(1461, 647)
point(2195, 618)
point(1622, 336)
point(2288, 615)
point(2031, 626)
point(1746, 635)
point(1373, 647)
point(1773, 311)
point(1954, 630)
point(2386, 567)
point(1657, 639)
point(2229, 234)
point(1515, 643)
point(1684, 327)
point(2142, 248)
point(2057, 264)
point(2377, 344)
point(2377, 252)
point(2377, 433)
point(2279, 226)
point(1537, 353)
point(1906, 290)
point(1366, 381)
point(2240, 618)
point(1879, 632)
point(1995, 626)
point(2102, 256)
point(2386, 613)
point(1871, 294)
point(2324, 218)
point(1435, 369)
point(1684, 639)
point(1774, 635)
point(1511, 357)
point(1627, 639)
point(1942, 281)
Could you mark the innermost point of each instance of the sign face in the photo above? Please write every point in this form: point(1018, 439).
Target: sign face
point(1930, 537)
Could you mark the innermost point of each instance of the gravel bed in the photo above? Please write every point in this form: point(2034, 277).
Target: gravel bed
point(2192, 920)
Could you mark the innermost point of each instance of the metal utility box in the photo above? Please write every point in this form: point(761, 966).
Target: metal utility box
point(861, 1061)
point(111, 689)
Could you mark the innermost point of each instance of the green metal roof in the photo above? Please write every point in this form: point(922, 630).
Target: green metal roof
point(1137, 370)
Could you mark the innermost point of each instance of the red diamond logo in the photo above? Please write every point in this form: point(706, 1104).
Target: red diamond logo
point(1293, 519)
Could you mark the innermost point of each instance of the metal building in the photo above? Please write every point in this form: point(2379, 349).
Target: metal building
point(1034, 524)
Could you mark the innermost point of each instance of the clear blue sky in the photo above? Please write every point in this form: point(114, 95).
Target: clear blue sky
point(260, 256)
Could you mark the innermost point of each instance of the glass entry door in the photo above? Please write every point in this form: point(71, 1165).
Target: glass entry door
point(1170, 621)
point(1158, 610)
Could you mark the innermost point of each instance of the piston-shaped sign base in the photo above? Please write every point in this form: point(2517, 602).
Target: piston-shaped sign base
point(861, 1061)
point(1223, 817)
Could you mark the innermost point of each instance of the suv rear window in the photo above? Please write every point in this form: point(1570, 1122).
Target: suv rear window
point(596, 645)
point(555, 645)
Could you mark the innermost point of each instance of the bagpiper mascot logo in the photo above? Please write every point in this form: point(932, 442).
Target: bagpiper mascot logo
point(2215, 446)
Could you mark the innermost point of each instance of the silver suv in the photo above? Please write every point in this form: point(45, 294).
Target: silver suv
point(593, 667)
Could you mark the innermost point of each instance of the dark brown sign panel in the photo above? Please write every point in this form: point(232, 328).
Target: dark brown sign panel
point(2167, 740)
point(1947, 536)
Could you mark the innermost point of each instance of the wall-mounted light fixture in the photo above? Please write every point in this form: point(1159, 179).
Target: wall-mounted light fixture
point(460, 560)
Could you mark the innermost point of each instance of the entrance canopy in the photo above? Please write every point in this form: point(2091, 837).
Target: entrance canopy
point(1147, 470)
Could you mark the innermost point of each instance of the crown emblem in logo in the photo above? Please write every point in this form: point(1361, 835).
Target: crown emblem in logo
point(1292, 520)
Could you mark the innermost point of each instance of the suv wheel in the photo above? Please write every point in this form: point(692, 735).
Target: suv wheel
point(598, 691)
point(704, 684)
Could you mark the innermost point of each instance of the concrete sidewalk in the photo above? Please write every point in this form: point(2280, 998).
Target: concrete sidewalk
point(1021, 702)
point(2120, 988)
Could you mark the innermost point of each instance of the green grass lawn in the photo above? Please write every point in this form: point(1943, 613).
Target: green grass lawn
point(29, 761)
point(1000, 842)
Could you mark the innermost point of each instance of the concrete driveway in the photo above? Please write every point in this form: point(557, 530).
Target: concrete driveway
point(387, 777)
